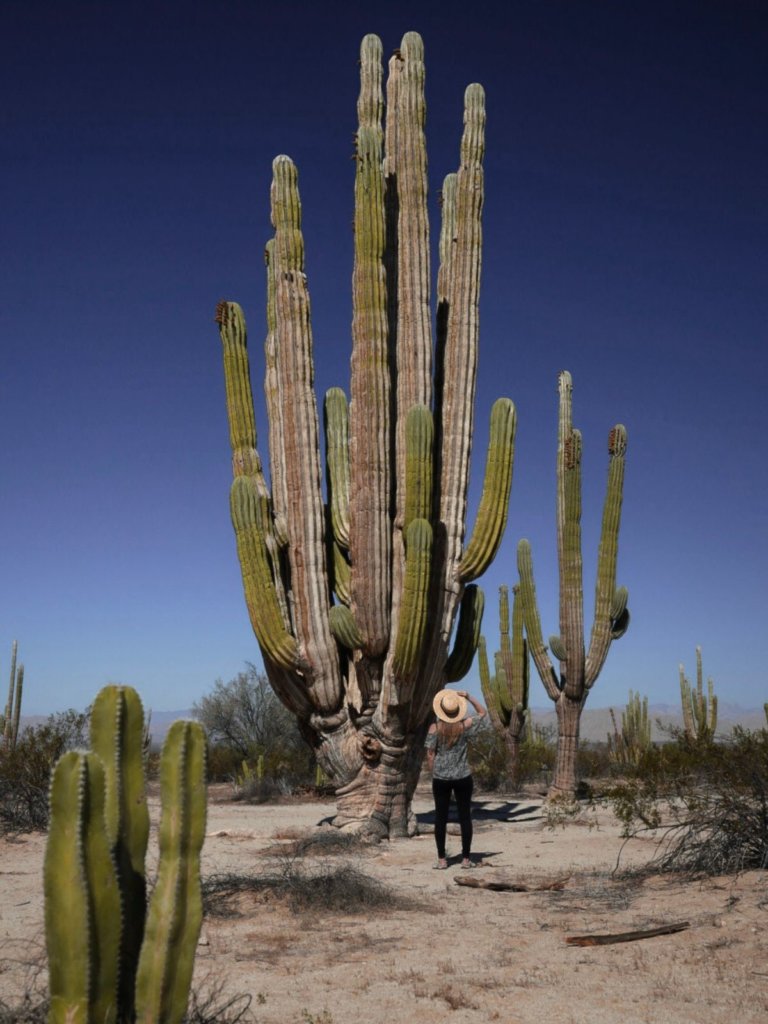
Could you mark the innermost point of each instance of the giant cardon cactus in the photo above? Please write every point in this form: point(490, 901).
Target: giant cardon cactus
point(506, 691)
point(353, 599)
point(579, 665)
point(699, 711)
point(110, 960)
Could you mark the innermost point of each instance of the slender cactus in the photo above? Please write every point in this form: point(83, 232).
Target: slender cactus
point(628, 745)
point(10, 720)
point(506, 691)
point(354, 603)
point(579, 666)
point(699, 711)
point(106, 964)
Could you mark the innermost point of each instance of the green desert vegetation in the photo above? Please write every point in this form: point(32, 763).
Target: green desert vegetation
point(354, 604)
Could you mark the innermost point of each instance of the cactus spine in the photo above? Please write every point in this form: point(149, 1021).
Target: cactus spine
point(627, 747)
point(579, 666)
point(106, 962)
point(699, 711)
point(506, 691)
point(353, 604)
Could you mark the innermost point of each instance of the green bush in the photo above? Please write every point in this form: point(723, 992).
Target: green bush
point(25, 771)
point(709, 802)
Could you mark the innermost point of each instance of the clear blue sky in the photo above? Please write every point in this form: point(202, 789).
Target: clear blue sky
point(626, 224)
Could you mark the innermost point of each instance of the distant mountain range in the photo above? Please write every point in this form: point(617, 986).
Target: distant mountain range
point(595, 722)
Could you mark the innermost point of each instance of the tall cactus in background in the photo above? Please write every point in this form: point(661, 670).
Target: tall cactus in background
point(110, 960)
point(11, 719)
point(354, 603)
point(626, 747)
point(699, 711)
point(506, 692)
point(579, 667)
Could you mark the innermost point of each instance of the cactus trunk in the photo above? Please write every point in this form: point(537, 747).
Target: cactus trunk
point(354, 599)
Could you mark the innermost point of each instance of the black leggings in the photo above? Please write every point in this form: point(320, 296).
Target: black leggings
point(442, 789)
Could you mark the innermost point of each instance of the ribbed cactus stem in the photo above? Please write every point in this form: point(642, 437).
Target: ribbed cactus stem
point(336, 422)
point(17, 705)
point(419, 439)
point(82, 899)
point(494, 502)
point(344, 627)
point(369, 500)
point(116, 735)
point(8, 728)
point(532, 619)
point(462, 329)
point(467, 634)
point(273, 397)
point(305, 518)
point(176, 909)
point(699, 711)
point(413, 616)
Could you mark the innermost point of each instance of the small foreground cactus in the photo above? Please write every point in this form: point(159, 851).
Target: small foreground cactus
point(626, 747)
point(110, 960)
point(579, 665)
point(9, 721)
point(506, 692)
point(699, 711)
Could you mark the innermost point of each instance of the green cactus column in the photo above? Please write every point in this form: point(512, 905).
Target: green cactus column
point(579, 666)
point(626, 747)
point(108, 962)
point(364, 608)
point(506, 691)
point(699, 710)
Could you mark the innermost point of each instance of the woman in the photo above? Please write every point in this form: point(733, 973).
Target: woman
point(446, 745)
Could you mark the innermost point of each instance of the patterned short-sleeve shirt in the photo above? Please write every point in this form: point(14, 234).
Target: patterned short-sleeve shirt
point(451, 762)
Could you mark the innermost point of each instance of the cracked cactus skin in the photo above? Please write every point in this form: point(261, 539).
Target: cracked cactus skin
point(354, 605)
point(108, 962)
point(579, 664)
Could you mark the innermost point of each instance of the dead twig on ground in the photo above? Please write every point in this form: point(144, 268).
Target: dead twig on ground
point(606, 940)
point(503, 885)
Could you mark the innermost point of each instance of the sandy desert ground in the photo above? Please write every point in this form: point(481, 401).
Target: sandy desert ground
point(438, 951)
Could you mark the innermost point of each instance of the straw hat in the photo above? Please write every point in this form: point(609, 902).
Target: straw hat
point(449, 706)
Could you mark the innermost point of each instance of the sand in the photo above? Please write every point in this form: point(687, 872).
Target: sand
point(442, 952)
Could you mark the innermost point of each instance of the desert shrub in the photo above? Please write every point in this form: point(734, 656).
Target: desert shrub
point(489, 760)
point(247, 724)
point(709, 803)
point(25, 771)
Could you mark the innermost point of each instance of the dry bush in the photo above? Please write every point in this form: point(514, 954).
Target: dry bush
point(708, 802)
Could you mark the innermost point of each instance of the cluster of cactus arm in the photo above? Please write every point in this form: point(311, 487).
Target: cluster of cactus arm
point(506, 691)
point(111, 958)
point(627, 746)
point(699, 709)
point(353, 602)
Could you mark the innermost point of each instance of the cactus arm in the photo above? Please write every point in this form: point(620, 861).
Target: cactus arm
point(261, 598)
point(274, 405)
point(446, 245)
point(569, 542)
point(413, 615)
point(117, 725)
point(419, 439)
point(8, 728)
point(532, 621)
point(520, 679)
point(176, 910)
point(336, 422)
point(494, 503)
point(686, 702)
point(369, 452)
point(461, 342)
point(305, 518)
point(711, 708)
point(467, 634)
point(17, 705)
point(487, 685)
point(406, 163)
point(344, 627)
point(608, 599)
point(82, 900)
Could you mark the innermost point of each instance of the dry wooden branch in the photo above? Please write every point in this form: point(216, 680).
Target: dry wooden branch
point(499, 885)
point(605, 940)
